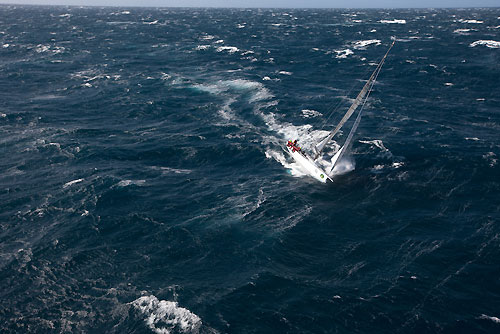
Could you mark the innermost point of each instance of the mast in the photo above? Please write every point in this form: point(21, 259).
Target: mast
point(366, 88)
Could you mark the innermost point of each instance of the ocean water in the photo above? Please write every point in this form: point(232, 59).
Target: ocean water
point(144, 188)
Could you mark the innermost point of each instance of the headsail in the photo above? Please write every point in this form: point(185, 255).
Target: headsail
point(366, 88)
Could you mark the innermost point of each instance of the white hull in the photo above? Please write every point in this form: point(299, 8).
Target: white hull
point(309, 165)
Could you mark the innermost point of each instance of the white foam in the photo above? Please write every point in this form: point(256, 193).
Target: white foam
point(172, 170)
point(487, 43)
point(152, 22)
point(364, 44)
point(208, 37)
point(395, 21)
point(448, 84)
point(295, 169)
point(126, 183)
point(470, 21)
point(261, 93)
point(202, 47)
point(345, 165)
point(164, 317)
point(462, 31)
point(341, 54)
point(310, 113)
point(378, 143)
point(491, 158)
point(487, 317)
point(472, 138)
point(70, 183)
point(226, 112)
point(266, 78)
point(397, 164)
point(285, 73)
point(230, 49)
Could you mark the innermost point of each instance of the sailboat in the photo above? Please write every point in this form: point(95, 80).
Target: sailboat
point(308, 162)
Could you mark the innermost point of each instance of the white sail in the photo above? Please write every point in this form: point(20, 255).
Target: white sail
point(361, 96)
point(307, 162)
point(338, 156)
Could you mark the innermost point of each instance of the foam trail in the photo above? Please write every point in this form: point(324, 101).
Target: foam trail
point(294, 168)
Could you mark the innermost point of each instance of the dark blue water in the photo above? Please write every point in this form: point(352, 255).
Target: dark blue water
point(143, 186)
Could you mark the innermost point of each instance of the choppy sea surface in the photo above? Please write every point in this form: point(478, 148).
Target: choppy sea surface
point(144, 188)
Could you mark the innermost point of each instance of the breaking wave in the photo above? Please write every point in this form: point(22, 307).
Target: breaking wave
point(165, 317)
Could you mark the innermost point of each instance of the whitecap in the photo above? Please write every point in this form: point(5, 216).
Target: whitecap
point(394, 21)
point(378, 143)
point(230, 49)
point(491, 158)
point(462, 31)
point(310, 113)
point(341, 54)
point(42, 48)
point(126, 183)
point(70, 183)
point(470, 21)
point(487, 43)
point(285, 73)
point(202, 47)
point(364, 44)
point(164, 316)
point(487, 317)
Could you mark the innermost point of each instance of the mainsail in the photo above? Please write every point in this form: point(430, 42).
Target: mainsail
point(359, 99)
